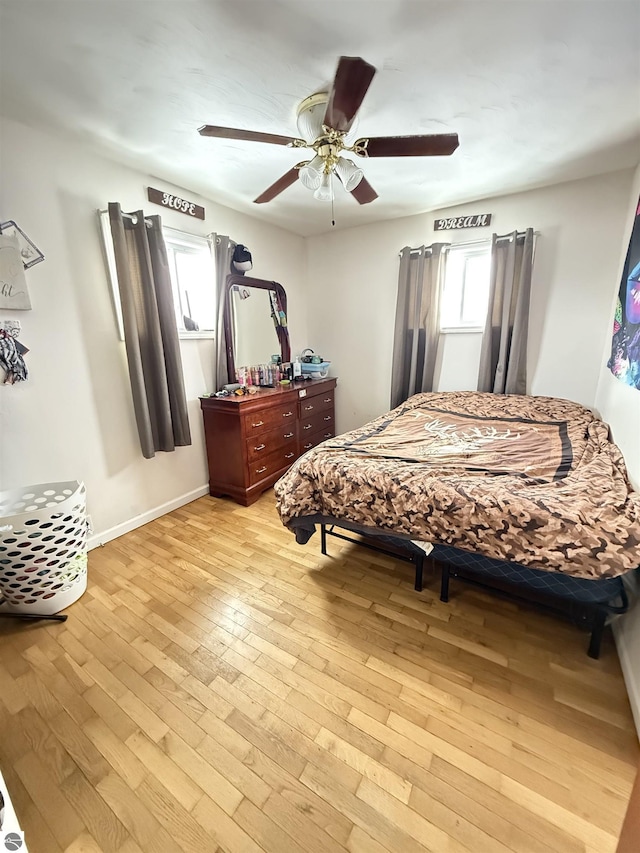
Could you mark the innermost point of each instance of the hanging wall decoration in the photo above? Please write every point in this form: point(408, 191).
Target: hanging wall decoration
point(182, 205)
point(624, 362)
point(12, 353)
point(29, 252)
point(475, 220)
point(13, 282)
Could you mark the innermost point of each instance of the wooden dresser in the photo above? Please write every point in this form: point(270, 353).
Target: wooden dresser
point(252, 440)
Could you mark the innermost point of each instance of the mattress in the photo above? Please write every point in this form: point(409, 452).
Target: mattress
point(531, 480)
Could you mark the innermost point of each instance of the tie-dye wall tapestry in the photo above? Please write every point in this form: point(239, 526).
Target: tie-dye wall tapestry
point(625, 346)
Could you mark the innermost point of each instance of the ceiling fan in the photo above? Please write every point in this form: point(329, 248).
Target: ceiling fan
point(324, 120)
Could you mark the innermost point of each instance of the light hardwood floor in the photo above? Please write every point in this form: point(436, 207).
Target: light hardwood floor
point(219, 687)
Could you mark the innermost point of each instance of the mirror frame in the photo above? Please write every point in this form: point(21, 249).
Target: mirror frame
point(282, 332)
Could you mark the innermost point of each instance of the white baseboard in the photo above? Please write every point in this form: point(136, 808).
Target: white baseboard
point(120, 529)
point(630, 671)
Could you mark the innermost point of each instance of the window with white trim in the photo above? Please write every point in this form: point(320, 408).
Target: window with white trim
point(192, 270)
point(465, 291)
point(193, 282)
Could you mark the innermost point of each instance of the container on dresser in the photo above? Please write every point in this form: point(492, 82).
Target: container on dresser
point(252, 440)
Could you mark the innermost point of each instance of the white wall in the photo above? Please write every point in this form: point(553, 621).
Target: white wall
point(73, 418)
point(619, 405)
point(352, 281)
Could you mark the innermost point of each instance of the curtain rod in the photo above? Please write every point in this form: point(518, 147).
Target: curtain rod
point(131, 216)
point(466, 243)
point(148, 223)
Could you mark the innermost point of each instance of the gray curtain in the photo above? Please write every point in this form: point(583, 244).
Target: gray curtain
point(223, 252)
point(151, 334)
point(417, 329)
point(503, 357)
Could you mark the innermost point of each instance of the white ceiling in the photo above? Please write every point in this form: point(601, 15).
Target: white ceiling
point(539, 92)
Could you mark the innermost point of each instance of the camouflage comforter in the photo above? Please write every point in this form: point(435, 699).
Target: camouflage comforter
point(532, 480)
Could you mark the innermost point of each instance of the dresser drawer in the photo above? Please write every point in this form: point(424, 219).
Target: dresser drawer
point(269, 419)
point(265, 443)
point(309, 441)
point(260, 469)
point(312, 405)
point(315, 423)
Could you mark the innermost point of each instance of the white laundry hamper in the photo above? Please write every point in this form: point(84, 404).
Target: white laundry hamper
point(43, 547)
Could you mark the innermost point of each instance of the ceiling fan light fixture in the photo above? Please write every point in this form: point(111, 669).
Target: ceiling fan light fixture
point(311, 174)
point(349, 174)
point(325, 190)
point(311, 113)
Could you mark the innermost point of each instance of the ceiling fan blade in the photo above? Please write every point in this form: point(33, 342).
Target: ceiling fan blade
point(364, 192)
point(281, 184)
point(350, 85)
point(247, 135)
point(433, 145)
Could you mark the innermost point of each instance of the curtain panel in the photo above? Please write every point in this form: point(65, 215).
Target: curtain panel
point(223, 255)
point(417, 326)
point(503, 355)
point(151, 334)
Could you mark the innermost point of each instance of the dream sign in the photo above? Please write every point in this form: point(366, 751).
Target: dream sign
point(477, 220)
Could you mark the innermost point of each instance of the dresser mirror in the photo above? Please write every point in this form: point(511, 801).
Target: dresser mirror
point(255, 317)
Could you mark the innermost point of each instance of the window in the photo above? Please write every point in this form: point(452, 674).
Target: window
point(465, 292)
point(192, 271)
point(193, 282)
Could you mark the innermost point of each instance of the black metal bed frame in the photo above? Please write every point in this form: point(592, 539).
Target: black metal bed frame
point(416, 557)
point(597, 612)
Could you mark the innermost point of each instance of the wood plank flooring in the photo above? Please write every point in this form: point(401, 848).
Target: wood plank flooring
point(220, 688)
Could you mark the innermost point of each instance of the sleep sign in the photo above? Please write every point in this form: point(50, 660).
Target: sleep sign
point(477, 220)
point(182, 205)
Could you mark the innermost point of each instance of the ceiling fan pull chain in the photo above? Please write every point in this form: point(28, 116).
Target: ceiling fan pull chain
point(333, 218)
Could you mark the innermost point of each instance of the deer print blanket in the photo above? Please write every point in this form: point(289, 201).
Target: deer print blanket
point(532, 480)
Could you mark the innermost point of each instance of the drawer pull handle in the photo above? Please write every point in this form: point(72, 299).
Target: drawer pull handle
point(257, 424)
point(307, 426)
point(327, 418)
point(328, 435)
point(288, 435)
point(307, 408)
point(261, 470)
point(308, 446)
point(327, 400)
point(287, 414)
point(289, 455)
point(260, 447)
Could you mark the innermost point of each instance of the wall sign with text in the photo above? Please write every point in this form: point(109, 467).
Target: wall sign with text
point(13, 282)
point(175, 203)
point(478, 220)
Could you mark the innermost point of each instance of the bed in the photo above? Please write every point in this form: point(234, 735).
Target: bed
point(523, 486)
